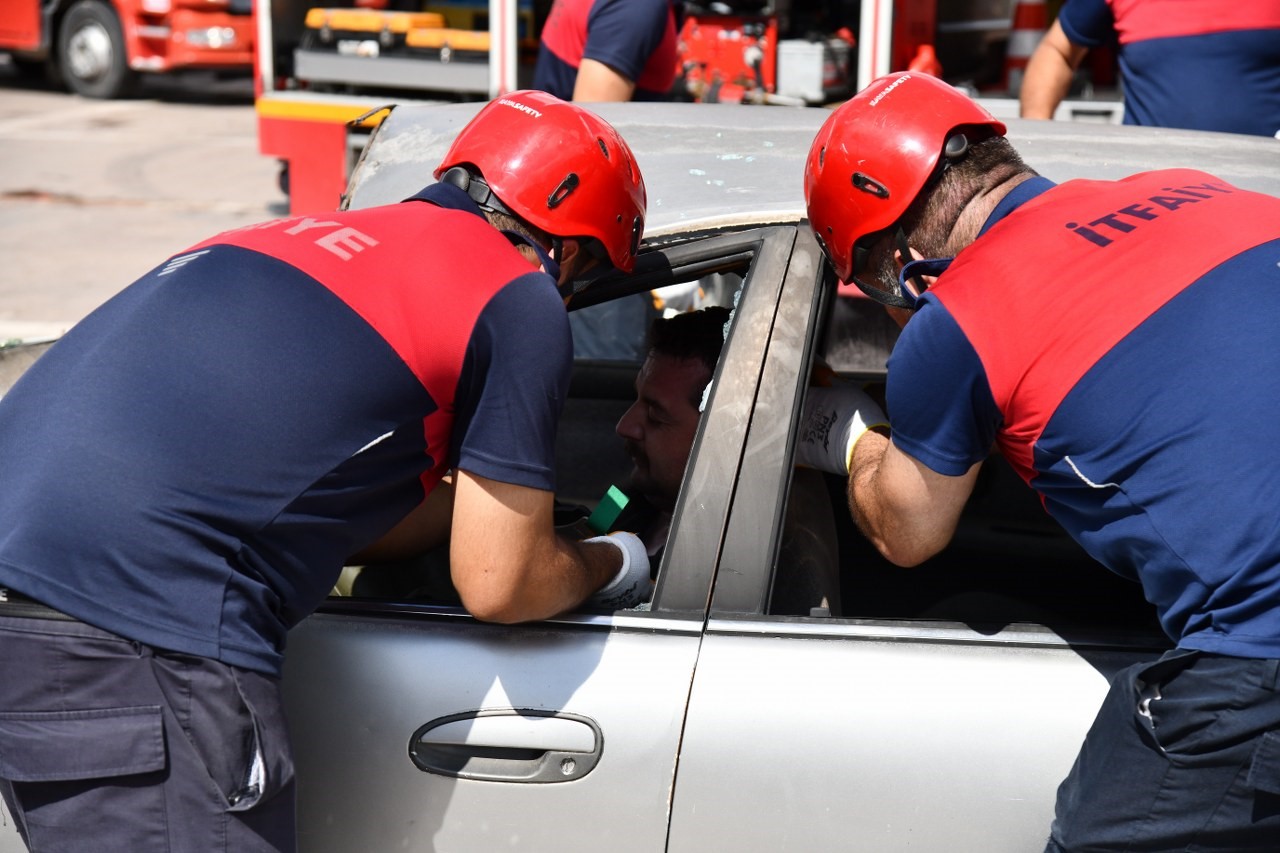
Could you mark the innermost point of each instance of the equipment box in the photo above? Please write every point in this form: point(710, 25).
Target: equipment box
point(449, 45)
point(363, 32)
point(816, 71)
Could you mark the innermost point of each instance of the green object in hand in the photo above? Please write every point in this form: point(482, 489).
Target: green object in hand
point(608, 510)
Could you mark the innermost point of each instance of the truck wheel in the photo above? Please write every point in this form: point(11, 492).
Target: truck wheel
point(91, 52)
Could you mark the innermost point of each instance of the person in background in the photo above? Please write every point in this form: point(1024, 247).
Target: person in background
point(1125, 406)
point(187, 470)
point(1194, 64)
point(608, 50)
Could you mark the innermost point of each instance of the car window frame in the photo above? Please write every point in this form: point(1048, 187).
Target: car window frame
point(750, 545)
point(712, 477)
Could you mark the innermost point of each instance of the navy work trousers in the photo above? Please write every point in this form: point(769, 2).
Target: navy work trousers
point(1184, 755)
point(107, 744)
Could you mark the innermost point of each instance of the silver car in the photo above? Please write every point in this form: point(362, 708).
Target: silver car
point(932, 709)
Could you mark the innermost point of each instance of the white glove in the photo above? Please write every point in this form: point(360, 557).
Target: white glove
point(631, 585)
point(833, 420)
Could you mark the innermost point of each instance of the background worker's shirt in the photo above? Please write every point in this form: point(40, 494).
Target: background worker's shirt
point(636, 38)
point(1118, 340)
point(1200, 64)
point(191, 464)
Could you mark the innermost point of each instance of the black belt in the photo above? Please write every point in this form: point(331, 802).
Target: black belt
point(16, 604)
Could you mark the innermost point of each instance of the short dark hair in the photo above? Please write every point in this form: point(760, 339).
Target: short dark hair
point(691, 334)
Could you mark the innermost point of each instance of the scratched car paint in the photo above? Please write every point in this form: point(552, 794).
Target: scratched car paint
point(932, 709)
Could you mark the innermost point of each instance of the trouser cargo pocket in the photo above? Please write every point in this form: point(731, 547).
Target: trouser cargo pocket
point(64, 770)
point(59, 746)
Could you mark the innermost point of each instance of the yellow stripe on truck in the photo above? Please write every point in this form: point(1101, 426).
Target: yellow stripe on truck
point(268, 107)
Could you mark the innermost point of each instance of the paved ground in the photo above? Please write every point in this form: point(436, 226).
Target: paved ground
point(95, 193)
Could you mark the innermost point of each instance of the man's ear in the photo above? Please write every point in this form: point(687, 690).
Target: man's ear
point(570, 248)
point(574, 259)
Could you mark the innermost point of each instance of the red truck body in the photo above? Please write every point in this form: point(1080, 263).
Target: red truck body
point(100, 48)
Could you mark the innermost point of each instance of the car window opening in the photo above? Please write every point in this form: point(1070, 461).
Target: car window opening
point(592, 460)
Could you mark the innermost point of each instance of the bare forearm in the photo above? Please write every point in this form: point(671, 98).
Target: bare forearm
point(598, 82)
point(906, 510)
point(866, 502)
point(564, 577)
point(1049, 73)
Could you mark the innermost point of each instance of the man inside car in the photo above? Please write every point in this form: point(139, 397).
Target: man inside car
point(659, 429)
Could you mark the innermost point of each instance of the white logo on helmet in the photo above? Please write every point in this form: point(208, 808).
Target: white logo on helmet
point(887, 89)
point(524, 108)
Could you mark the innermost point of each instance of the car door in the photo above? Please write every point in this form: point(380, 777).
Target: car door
point(892, 731)
point(417, 727)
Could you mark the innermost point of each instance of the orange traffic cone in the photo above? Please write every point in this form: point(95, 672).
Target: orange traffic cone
point(926, 61)
point(1029, 23)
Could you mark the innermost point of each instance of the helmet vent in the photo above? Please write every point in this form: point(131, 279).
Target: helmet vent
point(604, 149)
point(869, 185)
point(560, 193)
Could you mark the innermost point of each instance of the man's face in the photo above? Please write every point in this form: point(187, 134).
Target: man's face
point(659, 427)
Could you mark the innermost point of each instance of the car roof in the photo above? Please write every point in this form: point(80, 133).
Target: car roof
point(713, 166)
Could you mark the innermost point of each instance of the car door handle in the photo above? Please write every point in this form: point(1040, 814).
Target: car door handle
point(508, 745)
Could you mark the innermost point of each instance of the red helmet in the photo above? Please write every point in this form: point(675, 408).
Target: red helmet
point(875, 153)
point(557, 166)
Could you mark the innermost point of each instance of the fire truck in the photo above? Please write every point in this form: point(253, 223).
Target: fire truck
point(327, 73)
point(101, 48)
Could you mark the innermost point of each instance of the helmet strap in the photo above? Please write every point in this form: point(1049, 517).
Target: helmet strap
point(898, 298)
point(913, 270)
point(904, 251)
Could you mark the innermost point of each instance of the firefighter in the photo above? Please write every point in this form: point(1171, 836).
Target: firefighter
point(1116, 341)
point(608, 50)
point(186, 470)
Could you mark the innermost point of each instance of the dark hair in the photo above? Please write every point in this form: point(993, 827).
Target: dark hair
point(506, 222)
point(692, 334)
